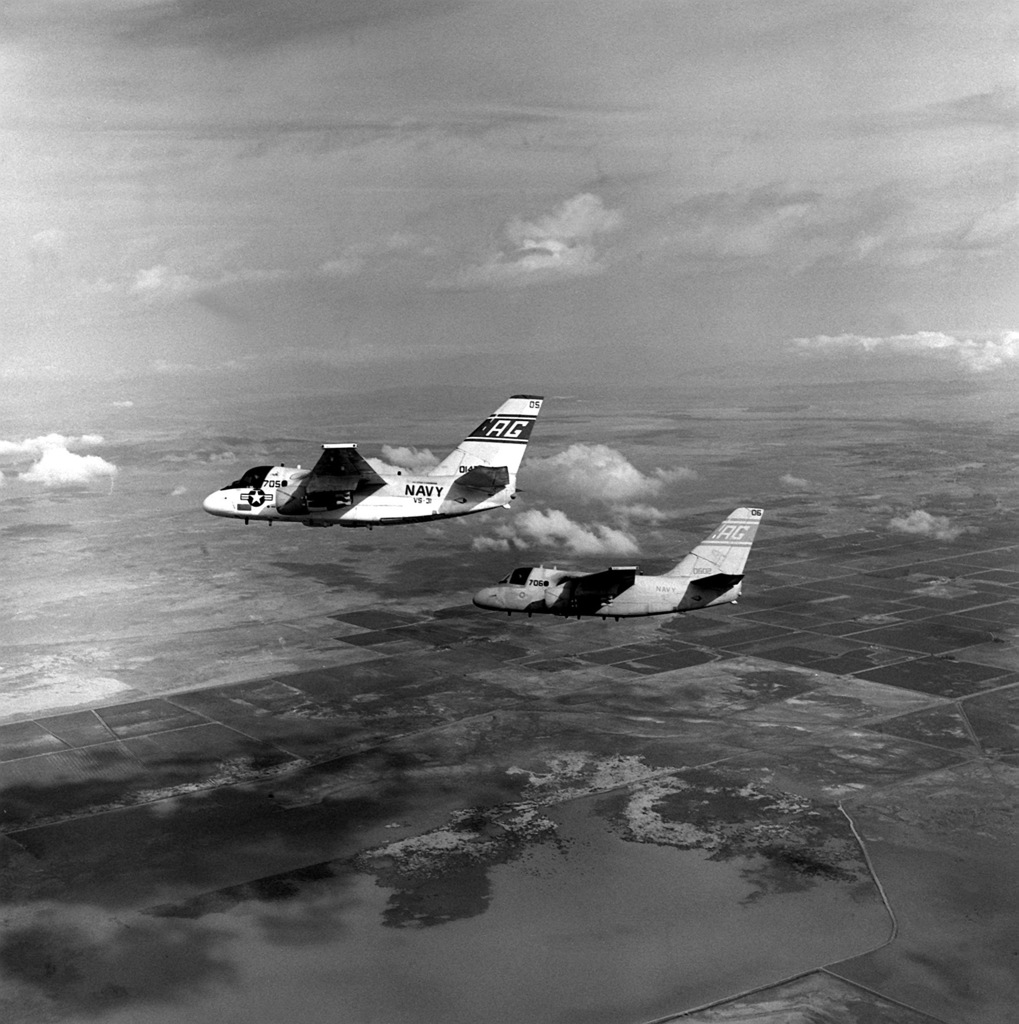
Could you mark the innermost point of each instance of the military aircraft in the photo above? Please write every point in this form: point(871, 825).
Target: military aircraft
point(343, 489)
point(709, 575)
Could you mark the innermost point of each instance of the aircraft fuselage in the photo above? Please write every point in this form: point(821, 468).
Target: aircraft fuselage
point(401, 499)
point(613, 594)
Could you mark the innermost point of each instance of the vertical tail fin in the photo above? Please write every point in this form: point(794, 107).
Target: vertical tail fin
point(499, 441)
point(726, 550)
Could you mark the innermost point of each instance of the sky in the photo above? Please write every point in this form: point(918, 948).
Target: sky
point(469, 190)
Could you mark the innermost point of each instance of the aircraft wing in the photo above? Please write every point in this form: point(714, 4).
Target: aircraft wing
point(583, 595)
point(341, 468)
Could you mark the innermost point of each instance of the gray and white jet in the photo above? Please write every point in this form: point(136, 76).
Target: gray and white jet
point(343, 489)
point(711, 574)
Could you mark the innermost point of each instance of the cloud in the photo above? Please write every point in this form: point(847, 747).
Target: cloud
point(596, 471)
point(997, 108)
point(161, 283)
point(923, 524)
point(126, 404)
point(55, 465)
point(256, 25)
point(641, 513)
point(994, 227)
point(58, 467)
point(551, 528)
point(417, 460)
point(796, 483)
point(797, 228)
point(35, 445)
point(490, 544)
point(557, 245)
point(577, 220)
point(974, 354)
point(48, 245)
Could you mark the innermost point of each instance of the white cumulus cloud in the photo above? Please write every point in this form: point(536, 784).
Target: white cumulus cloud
point(405, 458)
point(558, 244)
point(596, 471)
point(552, 528)
point(924, 524)
point(58, 467)
point(795, 483)
point(977, 354)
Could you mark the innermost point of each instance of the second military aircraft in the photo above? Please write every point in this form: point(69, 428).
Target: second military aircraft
point(344, 489)
point(711, 574)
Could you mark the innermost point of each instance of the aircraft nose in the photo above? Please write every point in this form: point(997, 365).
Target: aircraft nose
point(213, 504)
point(487, 598)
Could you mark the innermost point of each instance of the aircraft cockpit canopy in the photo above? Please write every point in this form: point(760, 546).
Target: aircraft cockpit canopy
point(252, 480)
point(518, 577)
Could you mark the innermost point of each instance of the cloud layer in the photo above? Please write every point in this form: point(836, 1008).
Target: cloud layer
point(497, 179)
point(36, 445)
point(977, 355)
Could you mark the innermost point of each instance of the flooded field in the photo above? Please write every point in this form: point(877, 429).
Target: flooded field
point(580, 924)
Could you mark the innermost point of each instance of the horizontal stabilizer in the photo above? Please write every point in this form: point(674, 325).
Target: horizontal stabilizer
point(719, 583)
point(490, 479)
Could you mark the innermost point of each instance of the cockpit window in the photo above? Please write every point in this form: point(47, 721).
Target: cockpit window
point(518, 577)
point(252, 480)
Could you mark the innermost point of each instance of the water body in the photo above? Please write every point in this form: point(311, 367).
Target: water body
point(590, 928)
